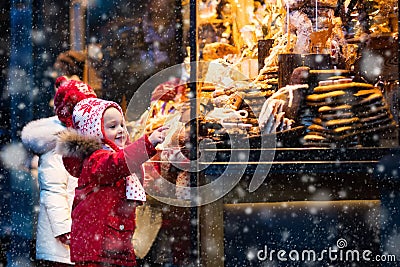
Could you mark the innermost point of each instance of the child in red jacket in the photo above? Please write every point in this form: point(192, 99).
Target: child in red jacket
point(103, 215)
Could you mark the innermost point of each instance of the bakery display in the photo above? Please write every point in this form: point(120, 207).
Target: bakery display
point(337, 112)
point(310, 78)
point(345, 112)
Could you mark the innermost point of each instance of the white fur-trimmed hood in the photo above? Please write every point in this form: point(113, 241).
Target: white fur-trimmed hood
point(72, 144)
point(40, 135)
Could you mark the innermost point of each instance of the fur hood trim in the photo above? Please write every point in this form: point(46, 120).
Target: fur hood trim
point(72, 144)
point(40, 136)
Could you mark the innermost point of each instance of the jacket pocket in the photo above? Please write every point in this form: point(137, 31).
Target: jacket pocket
point(117, 242)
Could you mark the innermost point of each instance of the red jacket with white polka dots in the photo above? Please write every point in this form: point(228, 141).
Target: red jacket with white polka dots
point(103, 220)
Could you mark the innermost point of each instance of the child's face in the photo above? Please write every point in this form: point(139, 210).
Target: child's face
point(114, 126)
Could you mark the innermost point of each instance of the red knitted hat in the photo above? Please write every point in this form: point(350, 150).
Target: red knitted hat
point(68, 94)
point(60, 80)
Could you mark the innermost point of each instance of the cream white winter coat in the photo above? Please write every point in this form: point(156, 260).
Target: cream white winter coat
point(57, 189)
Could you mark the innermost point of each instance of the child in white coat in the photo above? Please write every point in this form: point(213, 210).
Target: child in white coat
point(57, 187)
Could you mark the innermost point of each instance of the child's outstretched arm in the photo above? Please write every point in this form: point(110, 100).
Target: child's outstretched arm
point(144, 148)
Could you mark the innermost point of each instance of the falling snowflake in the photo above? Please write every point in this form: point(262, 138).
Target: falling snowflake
point(13, 155)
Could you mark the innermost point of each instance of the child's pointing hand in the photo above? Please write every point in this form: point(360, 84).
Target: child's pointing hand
point(158, 136)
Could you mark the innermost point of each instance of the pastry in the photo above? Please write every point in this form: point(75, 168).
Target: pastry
point(321, 97)
point(218, 50)
point(342, 86)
